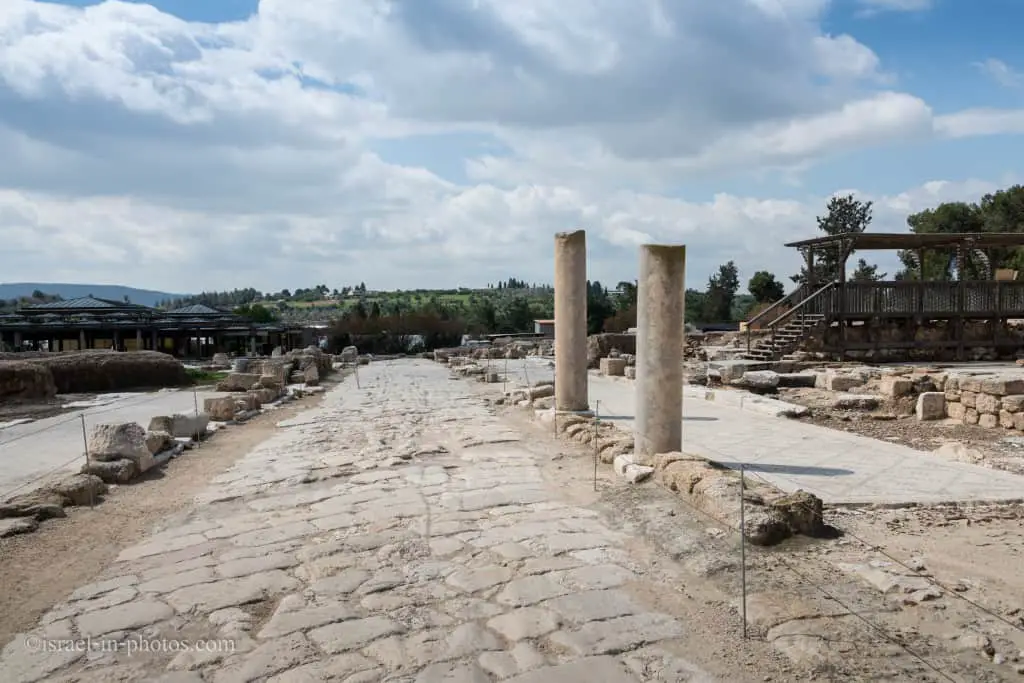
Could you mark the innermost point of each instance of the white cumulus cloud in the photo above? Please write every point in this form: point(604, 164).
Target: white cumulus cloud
point(280, 150)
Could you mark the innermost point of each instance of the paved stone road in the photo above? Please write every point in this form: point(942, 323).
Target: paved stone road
point(397, 533)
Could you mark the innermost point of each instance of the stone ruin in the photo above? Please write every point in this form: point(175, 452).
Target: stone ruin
point(264, 380)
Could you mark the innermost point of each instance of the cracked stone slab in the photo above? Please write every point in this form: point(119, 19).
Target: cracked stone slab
point(124, 617)
point(528, 622)
point(266, 660)
point(618, 635)
point(593, 605)
point(587, 670)
point(208, 597)
point(351, 635)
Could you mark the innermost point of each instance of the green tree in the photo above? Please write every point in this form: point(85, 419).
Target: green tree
point(765, 288)
point(599, 307)
point(257, 313)
point(843, 216)
point(722, 288)
point(947, 218)
point(627, 295)
point(866, 273)
point(515, 315)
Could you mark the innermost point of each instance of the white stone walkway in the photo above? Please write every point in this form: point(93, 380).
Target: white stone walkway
point(397, 533)
point(838, 467)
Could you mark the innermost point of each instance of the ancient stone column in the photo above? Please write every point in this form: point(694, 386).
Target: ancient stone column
point(661, 304)
point(571, 321)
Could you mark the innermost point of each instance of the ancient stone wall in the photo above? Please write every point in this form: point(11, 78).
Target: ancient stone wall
point(601, 345)
point(989, 402)
point(888, 333)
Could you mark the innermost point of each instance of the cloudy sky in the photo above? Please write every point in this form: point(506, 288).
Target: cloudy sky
point(212, 144)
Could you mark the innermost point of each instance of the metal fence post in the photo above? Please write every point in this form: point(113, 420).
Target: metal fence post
point(85, 442)
point(743, 546)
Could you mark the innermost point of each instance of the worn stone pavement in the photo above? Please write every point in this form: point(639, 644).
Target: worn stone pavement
point(396, 533)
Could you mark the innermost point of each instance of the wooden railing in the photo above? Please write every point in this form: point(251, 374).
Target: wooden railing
point(979, 297)
point(774, 310)
point(803, 300)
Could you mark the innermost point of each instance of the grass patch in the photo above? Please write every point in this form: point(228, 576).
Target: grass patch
point(206, 376)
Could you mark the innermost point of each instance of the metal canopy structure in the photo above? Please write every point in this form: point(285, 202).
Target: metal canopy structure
point(85, 321)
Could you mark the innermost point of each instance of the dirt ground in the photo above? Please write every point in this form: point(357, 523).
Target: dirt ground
point(816, 608)
point(894, 421)
point(40, 569)
point(38, 409)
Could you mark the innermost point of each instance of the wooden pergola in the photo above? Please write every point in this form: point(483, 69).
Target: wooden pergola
point(838, 302)
point(960, 244)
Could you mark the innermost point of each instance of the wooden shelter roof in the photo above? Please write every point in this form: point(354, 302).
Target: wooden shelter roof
point(909, 240)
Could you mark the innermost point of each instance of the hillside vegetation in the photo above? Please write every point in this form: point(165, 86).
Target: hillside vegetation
point(386, 319)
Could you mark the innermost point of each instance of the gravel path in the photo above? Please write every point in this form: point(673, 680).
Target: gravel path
point(401, 532)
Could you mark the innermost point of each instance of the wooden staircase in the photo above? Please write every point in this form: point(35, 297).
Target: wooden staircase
point(786, 338)
point(790, 321)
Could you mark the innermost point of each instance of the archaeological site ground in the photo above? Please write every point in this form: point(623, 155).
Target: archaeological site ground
point(833, 493)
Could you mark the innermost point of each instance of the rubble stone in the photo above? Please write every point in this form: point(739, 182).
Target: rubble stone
point(126, 441)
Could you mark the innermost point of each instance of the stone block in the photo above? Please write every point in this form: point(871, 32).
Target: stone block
point(956, 411)
point(968, 398)
point(311, 376)
point(158, 442)
point(120, 441)
point(855, 402)
point(952, 395)
point(1014, 403)
point(221, 360)
point(251, 400)
point(971, 416)
point(613, 367)
point(630, 372)
point(970, 383)
point(1003, 386)
point(1018, 421)
point(238, 381)
point(931, 405)
point(220, 409)
point(112, 472)
point(760, 380)
point(1006, 419)
point(988, 421)
point(180, 425)
point(897, 386)
point(798, 379)
point(841, 382)
point(987, 404)
point(80, 489)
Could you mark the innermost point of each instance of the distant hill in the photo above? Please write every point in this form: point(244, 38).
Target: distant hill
point(146, 297)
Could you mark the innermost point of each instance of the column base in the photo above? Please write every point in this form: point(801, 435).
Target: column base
point(582, 413)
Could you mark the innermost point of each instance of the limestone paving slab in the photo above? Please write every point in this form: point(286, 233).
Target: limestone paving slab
point(454, 562)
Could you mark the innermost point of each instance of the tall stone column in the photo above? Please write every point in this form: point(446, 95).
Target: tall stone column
point(661, 306)
point(571, 321)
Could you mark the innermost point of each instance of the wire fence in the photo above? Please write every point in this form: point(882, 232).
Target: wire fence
point(87, 418)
